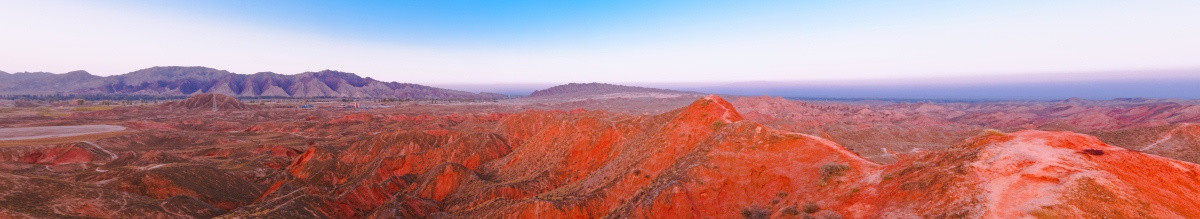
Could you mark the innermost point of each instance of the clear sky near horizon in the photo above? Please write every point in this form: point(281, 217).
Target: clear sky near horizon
point(621, 41)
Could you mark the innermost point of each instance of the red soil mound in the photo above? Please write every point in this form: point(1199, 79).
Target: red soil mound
point(208, 101)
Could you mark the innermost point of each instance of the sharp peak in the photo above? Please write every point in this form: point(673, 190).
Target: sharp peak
point(714, 106)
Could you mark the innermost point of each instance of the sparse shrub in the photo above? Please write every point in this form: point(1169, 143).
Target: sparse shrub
point(791, 210)
point(835, 215)
point(91, 108)
point(755, 213)
point(811, 207)
point(24, 104)
point(992, 132)
point(717, 124)
point(47, 113)
point(831, 170)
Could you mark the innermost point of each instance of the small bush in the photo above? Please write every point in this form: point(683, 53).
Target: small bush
point(91, 108)
point(811, 207)
point(755, 213)
point(717, 124)
point(24, 104)
point(791, 210)
point(990, 132)
point(831, 170)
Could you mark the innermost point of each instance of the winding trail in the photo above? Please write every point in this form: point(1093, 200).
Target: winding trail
point(1169, 135)
point(106, 151)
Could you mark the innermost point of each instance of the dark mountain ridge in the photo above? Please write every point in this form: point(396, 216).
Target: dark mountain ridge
point(185, 81)
point(599, 88)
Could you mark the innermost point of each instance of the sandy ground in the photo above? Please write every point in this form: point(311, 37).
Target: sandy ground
point(26, 133)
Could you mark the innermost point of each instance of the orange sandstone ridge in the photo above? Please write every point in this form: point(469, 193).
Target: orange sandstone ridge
point(704, 160)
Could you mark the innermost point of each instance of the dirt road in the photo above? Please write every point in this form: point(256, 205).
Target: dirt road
point(26, 133)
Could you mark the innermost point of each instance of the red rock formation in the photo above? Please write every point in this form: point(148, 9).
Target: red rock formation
point(207, 101)
point(73, 153)
point(1033, 173)
point(582, 164)
point(879, 130)
point(705, 159)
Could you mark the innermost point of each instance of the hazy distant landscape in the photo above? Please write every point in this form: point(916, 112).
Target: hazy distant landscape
point(599, 109)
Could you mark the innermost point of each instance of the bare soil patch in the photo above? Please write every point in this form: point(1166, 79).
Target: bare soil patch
point(29, 133)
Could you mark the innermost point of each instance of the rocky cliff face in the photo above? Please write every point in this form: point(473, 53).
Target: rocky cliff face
point(185, 81)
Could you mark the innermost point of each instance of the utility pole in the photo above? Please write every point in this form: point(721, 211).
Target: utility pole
point(214, 102)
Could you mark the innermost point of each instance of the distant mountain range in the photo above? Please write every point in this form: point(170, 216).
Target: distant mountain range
point(586, 89)
point(185, 81)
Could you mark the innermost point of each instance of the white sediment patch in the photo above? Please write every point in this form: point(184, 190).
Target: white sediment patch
point(1026, 174)
point(26, 133)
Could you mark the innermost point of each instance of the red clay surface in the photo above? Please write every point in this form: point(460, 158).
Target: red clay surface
point(707, 157)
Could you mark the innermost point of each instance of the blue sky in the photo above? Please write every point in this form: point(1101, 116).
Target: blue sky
point(486, 42)
point(484, 24)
